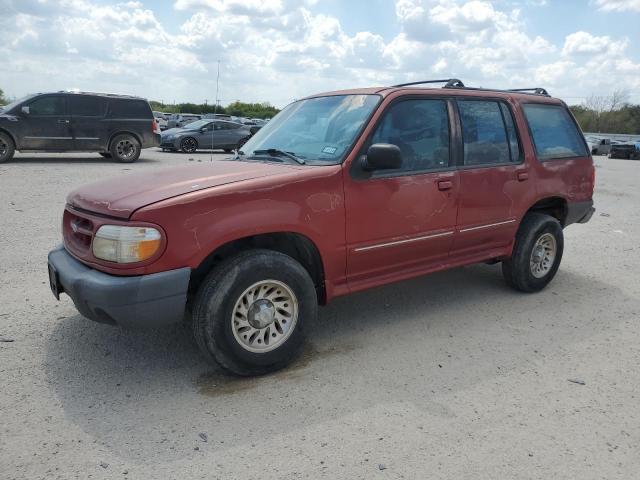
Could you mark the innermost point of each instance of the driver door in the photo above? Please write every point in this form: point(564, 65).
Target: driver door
point(47, 126)
point(401, 222)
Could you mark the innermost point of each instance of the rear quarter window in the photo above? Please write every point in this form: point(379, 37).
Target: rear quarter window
point(555, 135)
point(130, 109)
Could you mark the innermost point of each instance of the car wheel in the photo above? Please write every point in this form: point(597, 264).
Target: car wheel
point(125, 148)
point(7, 147)
point(250, 312)
point(188, 145)
point(536, 255)
point(106, 154)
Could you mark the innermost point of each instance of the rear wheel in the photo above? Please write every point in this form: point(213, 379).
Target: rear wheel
point(188, 145)
point(7, 147)
point(536, 255)
point(250, 312)
point(125, 148)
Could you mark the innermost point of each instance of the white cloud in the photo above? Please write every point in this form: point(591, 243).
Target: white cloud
point(618, 5)
point(277, 50)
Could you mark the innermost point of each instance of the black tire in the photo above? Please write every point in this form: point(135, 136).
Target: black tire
point(106, 154)
point(125, 148)
point(214, 310)
point(189, 145)
point(7, 147)
point(518, 271)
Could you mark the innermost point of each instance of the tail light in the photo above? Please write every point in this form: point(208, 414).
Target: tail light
point(154, 126)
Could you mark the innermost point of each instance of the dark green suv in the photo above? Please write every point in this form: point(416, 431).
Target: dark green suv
point(116, 126)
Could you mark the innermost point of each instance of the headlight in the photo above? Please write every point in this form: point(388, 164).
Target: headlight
point(125, 244)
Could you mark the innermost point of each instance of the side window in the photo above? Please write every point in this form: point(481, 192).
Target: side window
point(125, 108)
point(420, 128)
point(83, 106)
point(47, 106)
point(554, 133)
point(218, 126)
point(484, 133)
point(512, 136)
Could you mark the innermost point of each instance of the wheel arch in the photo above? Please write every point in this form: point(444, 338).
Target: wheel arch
point(554, 206)
point(123, 132)
point(11, 136)
point(294, 244)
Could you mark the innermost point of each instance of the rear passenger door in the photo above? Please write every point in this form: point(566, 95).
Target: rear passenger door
point(89, 126)
point(494, 180)
point(401, 222)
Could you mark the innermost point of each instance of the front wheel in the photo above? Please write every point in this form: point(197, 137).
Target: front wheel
point(7, 147)
point(250, 312)
point(125, 148)
point(536, 254)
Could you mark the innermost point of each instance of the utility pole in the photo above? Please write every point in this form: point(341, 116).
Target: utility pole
point(215, 108)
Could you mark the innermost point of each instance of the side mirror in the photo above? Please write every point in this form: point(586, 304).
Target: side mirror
point(382, 156)
point(26, 109)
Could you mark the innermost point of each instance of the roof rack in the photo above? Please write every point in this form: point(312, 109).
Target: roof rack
point(456, 83)
point(535, 90)
point(449, 83)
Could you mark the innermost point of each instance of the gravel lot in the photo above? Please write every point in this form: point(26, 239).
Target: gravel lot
point(453, 375)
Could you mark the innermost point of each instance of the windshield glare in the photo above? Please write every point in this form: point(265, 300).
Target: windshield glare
point(15, 103)
point(320, 129)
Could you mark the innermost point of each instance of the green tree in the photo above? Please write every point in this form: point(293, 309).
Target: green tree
point(3, 100)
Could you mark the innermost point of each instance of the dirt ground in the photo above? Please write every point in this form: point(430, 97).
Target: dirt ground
point(450, 376)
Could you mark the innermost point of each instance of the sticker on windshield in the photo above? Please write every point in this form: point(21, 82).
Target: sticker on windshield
point(329, 150)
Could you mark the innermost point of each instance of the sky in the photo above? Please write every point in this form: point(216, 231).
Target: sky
point(278, 50)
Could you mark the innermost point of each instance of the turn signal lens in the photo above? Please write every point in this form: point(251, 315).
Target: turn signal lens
point(125, 244)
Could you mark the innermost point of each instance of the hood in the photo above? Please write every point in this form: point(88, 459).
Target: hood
point(121, 196)
point(171, 131)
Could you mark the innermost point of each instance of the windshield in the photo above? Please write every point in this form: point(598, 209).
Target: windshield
point(319, 130)
point(198, 124)
point(15, 103)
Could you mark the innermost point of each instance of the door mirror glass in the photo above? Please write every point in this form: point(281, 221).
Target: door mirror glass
point(25, 109)
point(382, 156)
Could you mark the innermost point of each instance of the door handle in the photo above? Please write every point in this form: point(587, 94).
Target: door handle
point(63, 121)
point(445, 184)
point(522, 176)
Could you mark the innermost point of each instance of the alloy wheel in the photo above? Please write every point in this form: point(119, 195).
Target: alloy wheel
point(264, 316)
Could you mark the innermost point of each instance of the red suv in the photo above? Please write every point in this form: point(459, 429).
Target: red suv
point(340, 192)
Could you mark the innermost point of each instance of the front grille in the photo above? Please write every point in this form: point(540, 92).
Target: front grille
point(78, 232)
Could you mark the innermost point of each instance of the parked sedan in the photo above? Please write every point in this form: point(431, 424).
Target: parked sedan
point(206, 134)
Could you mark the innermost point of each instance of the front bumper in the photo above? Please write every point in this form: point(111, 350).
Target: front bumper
point(145, 301)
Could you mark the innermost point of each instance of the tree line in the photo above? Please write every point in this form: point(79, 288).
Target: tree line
point(608, 114)
point(237, 108)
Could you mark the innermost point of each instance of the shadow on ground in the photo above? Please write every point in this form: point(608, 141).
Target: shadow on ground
point(141, 393)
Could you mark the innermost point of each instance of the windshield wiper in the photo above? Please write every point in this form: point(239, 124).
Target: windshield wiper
point(274, 152)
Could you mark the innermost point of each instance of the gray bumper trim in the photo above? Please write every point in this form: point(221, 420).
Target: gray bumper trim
point(144, 301)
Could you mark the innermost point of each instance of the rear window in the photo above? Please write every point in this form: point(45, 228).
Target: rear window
point(82, 106)
point(555, 135)
point(129, 109)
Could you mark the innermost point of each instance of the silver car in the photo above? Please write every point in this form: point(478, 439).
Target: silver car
point(218, 134)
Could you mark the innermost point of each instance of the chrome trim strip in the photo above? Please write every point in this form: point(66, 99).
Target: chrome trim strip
point(487, 226)
point(87, 138)
point(51, 138)
point(400, 242)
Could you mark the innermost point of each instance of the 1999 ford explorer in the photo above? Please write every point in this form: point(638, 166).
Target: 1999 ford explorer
point(340, 192)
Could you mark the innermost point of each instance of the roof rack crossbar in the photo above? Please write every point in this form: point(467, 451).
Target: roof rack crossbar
point(449, 83)
point(535, 90)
